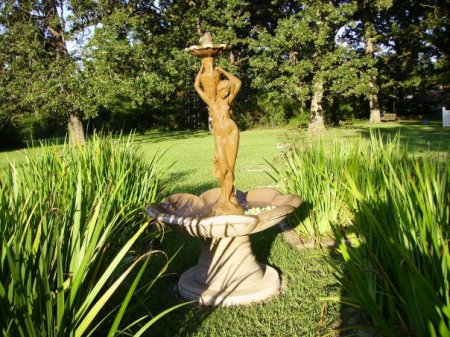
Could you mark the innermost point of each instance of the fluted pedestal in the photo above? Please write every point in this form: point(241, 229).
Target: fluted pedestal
point(227, 273)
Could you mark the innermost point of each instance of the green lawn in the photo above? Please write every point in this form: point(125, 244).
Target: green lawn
point(188, 147)
point(301, 310)
point(420, 138)
point(16, 156)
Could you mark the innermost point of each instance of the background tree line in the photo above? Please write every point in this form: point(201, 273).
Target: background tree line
point(120, 64)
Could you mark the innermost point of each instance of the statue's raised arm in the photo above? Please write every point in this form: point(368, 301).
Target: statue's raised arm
point(235, 84)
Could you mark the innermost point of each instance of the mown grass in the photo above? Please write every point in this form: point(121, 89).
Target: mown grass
point(259, 144)
point(420, 137)
point(307, 280)
point(299, 311)
point(306, 277)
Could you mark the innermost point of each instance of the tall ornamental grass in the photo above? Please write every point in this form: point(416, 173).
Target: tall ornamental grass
point(70, 223)
point(315, 169)
point(390, 216)
point(399, 271)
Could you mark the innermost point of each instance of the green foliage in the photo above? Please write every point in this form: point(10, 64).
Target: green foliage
point(303, 51)
point(315, 169)
point(39, 77)
point(300, 120)
point(409, 31)
point(70, 218)
point(125, 69)
point(398, 272)
point(122, 62)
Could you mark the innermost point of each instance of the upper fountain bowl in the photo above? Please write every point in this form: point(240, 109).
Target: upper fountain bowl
point(207, 50)
point(192, 214)
point(207, 47)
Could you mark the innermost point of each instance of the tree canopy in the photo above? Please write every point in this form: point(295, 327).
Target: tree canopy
point(117, 65)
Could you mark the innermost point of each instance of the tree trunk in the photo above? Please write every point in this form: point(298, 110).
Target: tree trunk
point(375, 114)
point(316, 122)
point(369, 48)
point(56, 26)
point(76, 131)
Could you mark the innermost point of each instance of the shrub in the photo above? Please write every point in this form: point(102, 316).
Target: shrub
point(69, 219)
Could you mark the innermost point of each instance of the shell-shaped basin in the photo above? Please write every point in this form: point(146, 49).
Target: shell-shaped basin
point(192, 214)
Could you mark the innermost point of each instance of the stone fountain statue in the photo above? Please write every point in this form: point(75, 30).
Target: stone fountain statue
point(227, 272)
point(218, 88)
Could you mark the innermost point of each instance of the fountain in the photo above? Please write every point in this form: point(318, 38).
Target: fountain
point(227, 272)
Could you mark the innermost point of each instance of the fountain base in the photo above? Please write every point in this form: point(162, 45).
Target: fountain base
point(227, 274)
point(254, 292)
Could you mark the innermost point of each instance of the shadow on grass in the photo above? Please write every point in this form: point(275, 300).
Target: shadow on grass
point(392, 299)
point(175, 184)
point(186, 321)
point(163, 136)
point(353, 322)
point(301, 214)
point(419, 137)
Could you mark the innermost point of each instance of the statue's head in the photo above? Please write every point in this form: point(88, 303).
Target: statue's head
point(223, 88)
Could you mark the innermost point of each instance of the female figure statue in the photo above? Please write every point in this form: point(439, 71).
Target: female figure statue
point(218, 94)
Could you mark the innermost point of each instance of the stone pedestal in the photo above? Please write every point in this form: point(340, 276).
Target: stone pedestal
point(227, 273)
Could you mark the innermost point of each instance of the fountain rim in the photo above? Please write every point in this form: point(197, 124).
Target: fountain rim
point(242, 224)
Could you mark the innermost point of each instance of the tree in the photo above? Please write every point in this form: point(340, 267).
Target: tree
point(128, 68)
point(38, 70)
point(436, 22)
point(301, 60)
point(294, 57)
point(185, 22)
point(407, 65)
